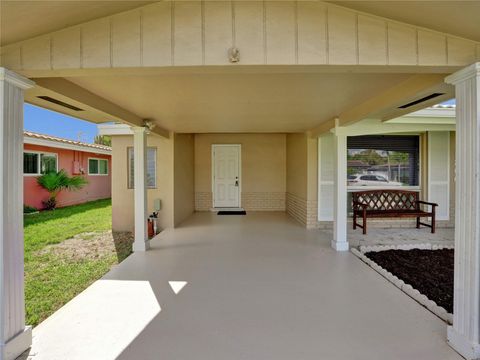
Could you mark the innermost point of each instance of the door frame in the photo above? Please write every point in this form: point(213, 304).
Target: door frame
point(239, 146)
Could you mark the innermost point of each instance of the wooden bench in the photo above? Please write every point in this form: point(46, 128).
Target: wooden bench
point(390, 203)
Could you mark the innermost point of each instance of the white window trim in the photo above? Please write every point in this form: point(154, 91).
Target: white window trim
point(88, 166)
point(39, 173)
point(154, 186)
point(155, 168)
point(366, 188)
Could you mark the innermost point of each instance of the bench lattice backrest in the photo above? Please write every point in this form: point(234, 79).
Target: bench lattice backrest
point(386, 199)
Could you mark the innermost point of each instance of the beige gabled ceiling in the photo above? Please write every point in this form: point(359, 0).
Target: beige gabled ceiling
point(461, 18)
point(21, 20)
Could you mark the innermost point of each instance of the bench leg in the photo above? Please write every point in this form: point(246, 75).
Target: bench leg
point(418, 222)
point(354, 220)
point(364, 223)
point(433, 224)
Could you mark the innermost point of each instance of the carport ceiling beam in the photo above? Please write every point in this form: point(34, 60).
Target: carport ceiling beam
point(386, 105)
point(390, 100)
point(79, 95)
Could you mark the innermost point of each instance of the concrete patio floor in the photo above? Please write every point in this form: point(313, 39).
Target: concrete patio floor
point(259, 287)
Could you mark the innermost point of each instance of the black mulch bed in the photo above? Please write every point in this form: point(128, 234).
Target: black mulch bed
point(428, 271)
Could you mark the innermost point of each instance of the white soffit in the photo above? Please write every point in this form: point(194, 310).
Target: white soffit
point(114, 129)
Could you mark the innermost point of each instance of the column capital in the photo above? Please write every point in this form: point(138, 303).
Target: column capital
point(15, 79)
point(139, 129)
point(464, 74)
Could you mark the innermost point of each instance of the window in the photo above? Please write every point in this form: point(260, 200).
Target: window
point(97, 166)
point(151, 168)
point(36, 163)
point(48, 163)
point(383, 160)
point(30, 163)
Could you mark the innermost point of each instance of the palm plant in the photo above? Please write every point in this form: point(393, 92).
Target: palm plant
point(54, 182)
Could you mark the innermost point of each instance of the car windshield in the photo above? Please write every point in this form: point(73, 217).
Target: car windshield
point(351, 177)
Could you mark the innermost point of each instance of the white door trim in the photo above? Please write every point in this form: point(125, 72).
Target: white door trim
point(239, 146)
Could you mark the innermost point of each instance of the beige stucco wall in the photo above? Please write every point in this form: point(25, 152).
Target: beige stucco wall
point(263, 169)
point(297, 165)
point(302, 184)
point(279, 172)
point(122, 197)
point(184, 177)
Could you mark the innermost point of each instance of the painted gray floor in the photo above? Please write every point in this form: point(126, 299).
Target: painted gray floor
point(259, 287)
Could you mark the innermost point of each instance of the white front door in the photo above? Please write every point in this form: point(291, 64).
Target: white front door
point(226, 175)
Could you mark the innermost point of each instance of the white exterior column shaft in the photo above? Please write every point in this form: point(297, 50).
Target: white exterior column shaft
point(464, 335)
point(141, 242)
point(339, 241)
point(15, 337)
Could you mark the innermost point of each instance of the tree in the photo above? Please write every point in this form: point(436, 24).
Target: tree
point(54, 182)
point(103, 140)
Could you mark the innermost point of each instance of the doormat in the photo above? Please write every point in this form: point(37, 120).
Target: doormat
point(242, 212)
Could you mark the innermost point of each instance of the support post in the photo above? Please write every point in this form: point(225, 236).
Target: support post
point(464, 334)
point(141, 243)
point(15, 337)
point(339, 241)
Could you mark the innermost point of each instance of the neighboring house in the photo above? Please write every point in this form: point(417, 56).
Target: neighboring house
point(44, 153)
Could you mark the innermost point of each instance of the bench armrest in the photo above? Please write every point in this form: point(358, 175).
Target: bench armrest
point(358, 203)
point(427, 203)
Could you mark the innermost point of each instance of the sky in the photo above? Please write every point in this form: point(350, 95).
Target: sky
point(449, 102)
point(43, 121)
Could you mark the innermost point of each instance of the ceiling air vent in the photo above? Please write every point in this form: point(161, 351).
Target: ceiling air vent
point(61, 103)
point(425, 98)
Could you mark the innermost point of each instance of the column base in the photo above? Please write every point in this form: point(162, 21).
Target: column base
point(340, 245)
point(467, 349)
point(141, 245)
point(17, 345)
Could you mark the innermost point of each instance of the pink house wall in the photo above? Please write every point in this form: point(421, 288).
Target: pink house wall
point(99, 186)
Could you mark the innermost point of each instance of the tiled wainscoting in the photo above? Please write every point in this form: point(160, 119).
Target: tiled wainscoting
point(251, 201)
point(203, 201)
point(263, 201)
point(302, 210)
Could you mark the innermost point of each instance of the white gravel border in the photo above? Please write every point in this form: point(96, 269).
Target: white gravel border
point(406, 288)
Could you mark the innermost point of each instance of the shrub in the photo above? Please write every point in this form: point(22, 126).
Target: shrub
point(54, 182)
point(29, 209)
point(50, 203)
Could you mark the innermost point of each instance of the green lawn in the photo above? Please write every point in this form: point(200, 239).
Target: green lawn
point(54, 274)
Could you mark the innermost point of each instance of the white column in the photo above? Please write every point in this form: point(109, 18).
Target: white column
point(15, 337)
point(464, 335)
point(339, 241)
point(141, 242)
